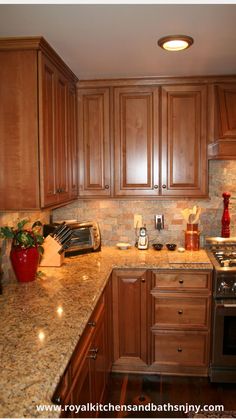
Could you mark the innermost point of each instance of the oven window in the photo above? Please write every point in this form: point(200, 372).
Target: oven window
point(229, 342)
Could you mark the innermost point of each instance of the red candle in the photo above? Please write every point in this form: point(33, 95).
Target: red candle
point(225, 220)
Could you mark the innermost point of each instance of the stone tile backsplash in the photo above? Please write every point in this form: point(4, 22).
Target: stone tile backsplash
point(116, 217)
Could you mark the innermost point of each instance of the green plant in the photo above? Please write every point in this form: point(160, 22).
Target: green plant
point(22, 237)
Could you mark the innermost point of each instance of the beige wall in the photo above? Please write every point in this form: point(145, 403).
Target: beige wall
point(115, 217)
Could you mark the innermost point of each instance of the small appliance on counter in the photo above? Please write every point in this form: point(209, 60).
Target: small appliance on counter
point(143, 239)
point(85, 237)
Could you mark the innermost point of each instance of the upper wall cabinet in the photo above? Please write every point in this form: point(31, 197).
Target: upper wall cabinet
point(136, 161)
point(183, 140)
point(158, 138)
point(223, 121)
point(94, 143)
point(38, 151)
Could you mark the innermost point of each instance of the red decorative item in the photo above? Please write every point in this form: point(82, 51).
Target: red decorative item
point(225, 220)
point(25, 263)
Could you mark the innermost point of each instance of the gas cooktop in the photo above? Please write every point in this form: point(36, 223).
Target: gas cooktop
point(222, 252)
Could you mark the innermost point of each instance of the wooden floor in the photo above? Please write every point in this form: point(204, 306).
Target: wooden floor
point(160, 390)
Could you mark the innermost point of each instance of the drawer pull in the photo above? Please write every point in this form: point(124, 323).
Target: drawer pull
point(179, 349)
point(181, 281)
point(93, 324)
point(155, 186)
point(94, 356)
point(180, 311)
point(94, 350)
point(57, 400)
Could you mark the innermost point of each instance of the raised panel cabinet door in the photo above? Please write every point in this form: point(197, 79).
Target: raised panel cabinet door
point(97, 354)
point(226, 98)
point(130, 319)
point(94, 142)
point(82, 389)
point(19, 186)
point(62, 155)
point(72, 142)
point(47, 120)
point(184, 157)
point(136, 161)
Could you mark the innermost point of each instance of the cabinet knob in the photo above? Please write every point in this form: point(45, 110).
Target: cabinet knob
point(181, 281)
point(58, 190)
point(107, 186)
point(179, 349)
point(155, 186)
point(164, 186)
point(92, 323)
point(180, 311)
point(57, 400)
point(143, 280)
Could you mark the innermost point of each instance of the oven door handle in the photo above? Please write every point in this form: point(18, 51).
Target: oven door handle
point(229, 305)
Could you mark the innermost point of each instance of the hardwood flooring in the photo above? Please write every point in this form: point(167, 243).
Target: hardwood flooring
point(134, 389)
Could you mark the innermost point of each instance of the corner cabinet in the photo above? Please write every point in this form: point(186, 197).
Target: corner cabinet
point(38, 124)
point(223, 121)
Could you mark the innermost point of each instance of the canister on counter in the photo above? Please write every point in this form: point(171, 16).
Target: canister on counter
point(192, 237)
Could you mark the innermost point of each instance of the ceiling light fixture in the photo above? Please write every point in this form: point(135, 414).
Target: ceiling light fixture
point(175, 42)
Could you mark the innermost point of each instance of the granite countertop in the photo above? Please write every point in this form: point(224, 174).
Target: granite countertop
point(41, 321)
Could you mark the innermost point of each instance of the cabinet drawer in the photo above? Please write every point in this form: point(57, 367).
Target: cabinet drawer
point(182, 280)
point(172, 311)
point(183, 348)
point(86, 338)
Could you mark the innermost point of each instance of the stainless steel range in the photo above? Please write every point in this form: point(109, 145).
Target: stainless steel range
point(222, 253)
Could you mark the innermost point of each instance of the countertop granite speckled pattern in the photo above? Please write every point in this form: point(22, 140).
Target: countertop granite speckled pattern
point(41, 321)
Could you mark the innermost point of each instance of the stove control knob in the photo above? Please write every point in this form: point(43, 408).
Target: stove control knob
point(224, 287)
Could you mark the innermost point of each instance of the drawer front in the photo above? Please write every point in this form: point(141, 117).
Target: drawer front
point(183, 348)
point(180, 312)
point(181, 280)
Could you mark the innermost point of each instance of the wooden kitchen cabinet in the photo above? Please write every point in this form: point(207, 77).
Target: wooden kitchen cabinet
point(160, 138)
point(130, 319)
point(181, 321)
point(184, 140)
point(223, 121)
point(87, 375)
point(94, 143)
point(137, 142)
point(37, 126)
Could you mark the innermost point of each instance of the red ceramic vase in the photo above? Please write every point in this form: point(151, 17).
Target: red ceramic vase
point(25, 263)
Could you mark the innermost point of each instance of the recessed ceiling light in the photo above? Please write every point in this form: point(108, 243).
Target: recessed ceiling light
point(175, 42)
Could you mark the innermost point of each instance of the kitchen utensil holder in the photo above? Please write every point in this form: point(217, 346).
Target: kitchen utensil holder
point(192, 237)
point(51, 257)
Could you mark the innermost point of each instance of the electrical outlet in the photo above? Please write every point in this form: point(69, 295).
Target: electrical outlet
point(159, 221)
point(138, 221)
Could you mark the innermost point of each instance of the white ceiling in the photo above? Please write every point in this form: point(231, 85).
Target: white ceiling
point(99, 41)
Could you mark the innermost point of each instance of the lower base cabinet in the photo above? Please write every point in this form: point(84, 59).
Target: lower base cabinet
point(145, 322)
point(130, 320)
point(86, 378)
